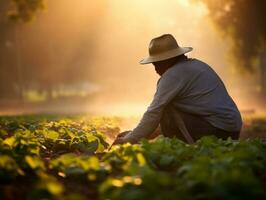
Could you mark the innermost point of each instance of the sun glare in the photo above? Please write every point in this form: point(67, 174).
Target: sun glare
point(184, 2)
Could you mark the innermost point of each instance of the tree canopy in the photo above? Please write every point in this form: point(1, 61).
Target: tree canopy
point(244, 22)
point(24, 10)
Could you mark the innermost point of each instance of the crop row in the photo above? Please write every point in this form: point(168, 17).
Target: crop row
point(68, 159)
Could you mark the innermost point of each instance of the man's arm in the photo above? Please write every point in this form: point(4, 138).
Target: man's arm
point(167, 89)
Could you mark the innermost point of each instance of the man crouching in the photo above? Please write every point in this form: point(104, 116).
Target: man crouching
point(191, 100)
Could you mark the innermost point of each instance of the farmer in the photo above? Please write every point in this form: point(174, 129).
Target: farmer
point(191, 100)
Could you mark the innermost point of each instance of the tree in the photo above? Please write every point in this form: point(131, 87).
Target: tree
point(8, 68)
point(244, 22)
point(42, 57)
point(11, 69)
point(24, 10)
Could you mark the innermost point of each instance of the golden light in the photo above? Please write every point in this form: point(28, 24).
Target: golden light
point(126, 32)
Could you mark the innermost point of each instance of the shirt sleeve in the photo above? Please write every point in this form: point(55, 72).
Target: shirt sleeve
point(167, 88)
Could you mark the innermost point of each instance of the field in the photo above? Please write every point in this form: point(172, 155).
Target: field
point(55, 157)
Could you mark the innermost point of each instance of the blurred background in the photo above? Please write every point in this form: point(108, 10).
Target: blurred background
point(82, 56)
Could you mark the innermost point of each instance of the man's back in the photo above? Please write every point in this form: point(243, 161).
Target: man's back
point(200, 91)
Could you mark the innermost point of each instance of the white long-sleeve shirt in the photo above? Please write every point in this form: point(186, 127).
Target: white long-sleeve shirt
point(191, 86)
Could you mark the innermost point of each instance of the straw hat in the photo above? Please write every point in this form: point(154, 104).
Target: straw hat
point(163, 48)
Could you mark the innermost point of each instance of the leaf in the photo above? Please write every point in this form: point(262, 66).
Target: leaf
point(100, 148)
point(91, 137)
point(54, 187)
point(35, 162)
point(86, 147)
point(10, 141)
point(166, 160)
point(53, 135)
point(74, 171)
point(141, 159)
point(7, 162)
point(72, 135)
point(93, 163)
point(3, 133)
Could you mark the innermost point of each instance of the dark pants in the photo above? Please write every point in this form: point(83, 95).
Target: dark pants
point(195, 124)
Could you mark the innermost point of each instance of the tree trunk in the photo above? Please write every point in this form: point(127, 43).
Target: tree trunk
point(263, 74)
point(19, 66)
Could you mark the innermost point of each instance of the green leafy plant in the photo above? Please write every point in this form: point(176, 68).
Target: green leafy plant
point(68, 158)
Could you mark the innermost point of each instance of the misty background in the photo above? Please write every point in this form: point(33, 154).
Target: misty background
point(82, 56)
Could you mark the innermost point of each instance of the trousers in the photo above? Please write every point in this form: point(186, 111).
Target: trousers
point(196, 125)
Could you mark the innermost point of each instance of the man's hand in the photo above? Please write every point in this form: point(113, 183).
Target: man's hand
point(118, 141)
point(119, 138)
point(122, 134)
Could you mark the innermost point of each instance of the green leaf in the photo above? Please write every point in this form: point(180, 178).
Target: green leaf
point(3, 133)
point(166, 160)
point(141, 159)
point(91, 137)
point(10, 141)
point(35, 162)
point(88, 148)
point(54, 187)
point(7, 162)
point(53, 135)
point(74, 171)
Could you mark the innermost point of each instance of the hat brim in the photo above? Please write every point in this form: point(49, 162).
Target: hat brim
point(166, 55)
